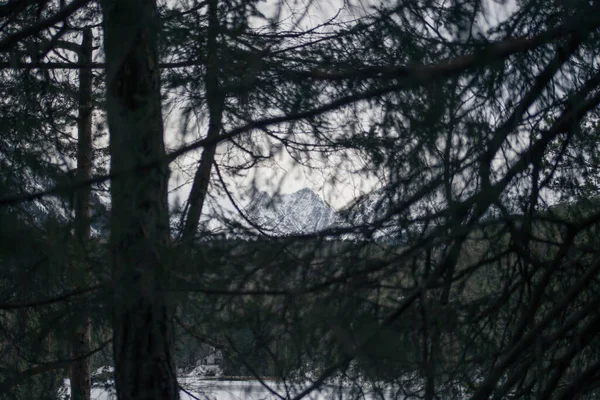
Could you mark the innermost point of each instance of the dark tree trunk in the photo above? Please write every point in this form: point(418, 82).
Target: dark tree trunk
point(79, 372)
point(142, 323)
point(215, 103)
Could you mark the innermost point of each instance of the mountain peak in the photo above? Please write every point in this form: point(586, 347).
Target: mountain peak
point(295, 213)
point(305, 192)
point(304, 212)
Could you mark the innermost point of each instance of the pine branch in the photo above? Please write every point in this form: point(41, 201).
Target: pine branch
point(61, 15)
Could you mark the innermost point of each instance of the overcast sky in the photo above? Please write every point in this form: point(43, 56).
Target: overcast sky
point(283, 174)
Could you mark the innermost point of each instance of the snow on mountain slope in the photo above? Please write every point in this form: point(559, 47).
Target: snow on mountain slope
point(373, 216)
point(295, 213)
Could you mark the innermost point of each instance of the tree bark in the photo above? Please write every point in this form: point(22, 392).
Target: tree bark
point(79, 371)
point(142, 323)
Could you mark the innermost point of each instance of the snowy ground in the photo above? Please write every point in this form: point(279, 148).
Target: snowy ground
point(196, 387)
point(237, 390)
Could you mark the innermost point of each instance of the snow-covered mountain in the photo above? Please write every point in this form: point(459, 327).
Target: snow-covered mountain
point(295, 213)
point(304, 212)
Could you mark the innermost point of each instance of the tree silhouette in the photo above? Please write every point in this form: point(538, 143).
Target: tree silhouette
point(465, 267)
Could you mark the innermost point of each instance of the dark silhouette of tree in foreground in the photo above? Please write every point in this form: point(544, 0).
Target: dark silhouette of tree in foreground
point(470, 270)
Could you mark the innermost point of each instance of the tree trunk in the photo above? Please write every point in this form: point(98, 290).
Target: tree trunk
point(215, 101)
point(142, 323)
point(79, 372)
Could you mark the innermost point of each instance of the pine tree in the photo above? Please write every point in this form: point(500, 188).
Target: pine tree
point(453, 278)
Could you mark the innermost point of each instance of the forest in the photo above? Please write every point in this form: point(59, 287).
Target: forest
point(353, 199)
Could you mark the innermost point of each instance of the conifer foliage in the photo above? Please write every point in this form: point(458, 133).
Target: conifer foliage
point(147, 148)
